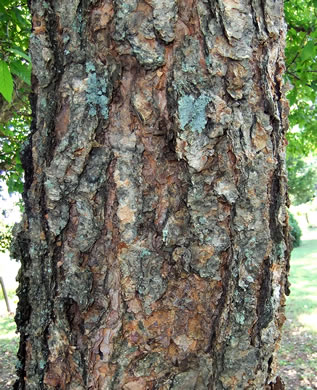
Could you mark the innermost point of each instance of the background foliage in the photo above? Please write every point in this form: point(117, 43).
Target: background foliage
point(296, 231)
point(15, 76)
point(301, 74)
point(302, 179)
point(5, 236)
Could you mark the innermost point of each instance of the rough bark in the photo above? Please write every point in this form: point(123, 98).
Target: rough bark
point(155, 243)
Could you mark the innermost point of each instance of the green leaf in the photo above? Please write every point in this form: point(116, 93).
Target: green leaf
point(20, 53)
point(6, 82)
point(308, 51)
point(3, 4)
point(8, 133)
point(14, 183)
point(23, 71)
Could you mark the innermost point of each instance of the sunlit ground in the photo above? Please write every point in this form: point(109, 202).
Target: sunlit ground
point(298, 354)
point(302, 302)
point(7, 328)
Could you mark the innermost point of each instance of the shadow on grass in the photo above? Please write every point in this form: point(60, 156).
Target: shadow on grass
point(9, 345)
point(298, 356)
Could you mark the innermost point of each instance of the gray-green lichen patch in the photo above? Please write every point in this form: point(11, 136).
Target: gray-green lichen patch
point(240, 318)
point(192, 112)
point(145, 252)
point(96, 93)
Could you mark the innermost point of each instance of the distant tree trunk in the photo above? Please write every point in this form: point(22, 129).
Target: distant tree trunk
point(155, 242)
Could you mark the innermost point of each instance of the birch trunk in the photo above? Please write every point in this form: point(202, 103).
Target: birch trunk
point(155, 242)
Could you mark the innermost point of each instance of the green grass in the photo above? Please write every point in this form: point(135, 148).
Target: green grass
point(298, 353)
point(302, 303)
point(8, 350)
point(8, 335)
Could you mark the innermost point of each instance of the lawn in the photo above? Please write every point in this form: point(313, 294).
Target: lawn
point(8, 350)
point(8, 337)
point(303, 279)
point(298, 353)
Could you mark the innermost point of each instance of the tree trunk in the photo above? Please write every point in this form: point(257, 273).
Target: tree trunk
point(155, 243)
